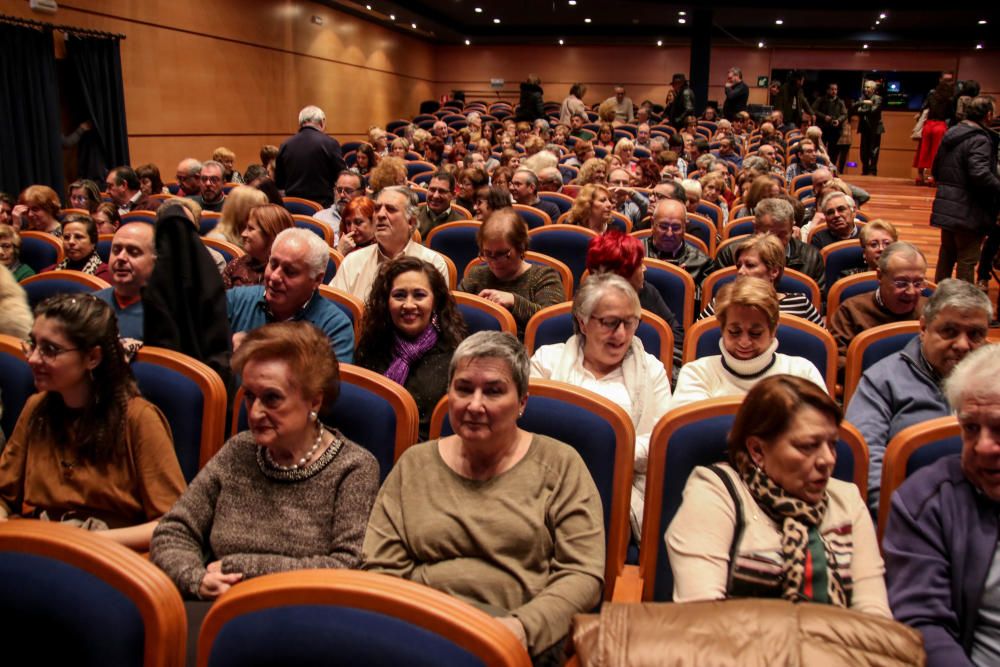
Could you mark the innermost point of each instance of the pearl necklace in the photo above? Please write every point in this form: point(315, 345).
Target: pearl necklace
point(301, 463)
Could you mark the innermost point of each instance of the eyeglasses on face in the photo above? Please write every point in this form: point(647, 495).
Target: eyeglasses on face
point(495, 256)
point(47, 351)
point(917, 284)
point(611, 324)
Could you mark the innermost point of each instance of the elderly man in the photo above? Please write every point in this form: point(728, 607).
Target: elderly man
point(807, 163)
point(770, 154)
point(870, 127)
point(292, 277)
point(188, 171)
point(350, 184)
point(624, 109)
point(133, 256)
point(630, 203)
point(737, 94)
point(968, 190)
point(309, 163)
point(122, 185)
point(778, 217)
point(524, 190)
point(550, 180)
point(395, 220)
point(212, 196)
point(838, 211)
point(905, 388)
point(898, 298)
point(642, 135)
point(438, 210)
point(440, 130)
point(666, 242)
point(940, 544)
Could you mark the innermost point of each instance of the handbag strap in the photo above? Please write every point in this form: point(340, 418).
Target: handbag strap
point(737, 528)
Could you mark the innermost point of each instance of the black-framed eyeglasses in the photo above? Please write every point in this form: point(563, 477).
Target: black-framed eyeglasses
point(611, 324)
point(495, 256)
point(47, 351)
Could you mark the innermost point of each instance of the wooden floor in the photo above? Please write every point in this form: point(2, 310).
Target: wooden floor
point(908, 207)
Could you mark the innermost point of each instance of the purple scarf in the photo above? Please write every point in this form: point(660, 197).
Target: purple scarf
point(405, 352)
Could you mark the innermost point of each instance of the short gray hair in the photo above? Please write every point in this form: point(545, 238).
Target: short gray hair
point(192, 165)
point(311, 114)
point(317, 251)
point(899, 248)
point(834, 195)
point(212, 163)
point(957, 294)
point(412, 201)
point(551, 175)
point(779, 209)
point(690, 185)
point(757, 163)
point(594, 288)
point(976, 375)
point(494, 345)
point(737, 71)
point(530, 175)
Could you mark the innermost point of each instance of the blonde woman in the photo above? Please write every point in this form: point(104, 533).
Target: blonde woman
point(594, 170)
point(235, 213)
point(592, 208)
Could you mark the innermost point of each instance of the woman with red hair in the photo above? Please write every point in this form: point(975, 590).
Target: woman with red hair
point(357, 225)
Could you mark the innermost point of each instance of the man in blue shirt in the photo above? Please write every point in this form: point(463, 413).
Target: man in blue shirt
point(133, 255)
point(292, 277)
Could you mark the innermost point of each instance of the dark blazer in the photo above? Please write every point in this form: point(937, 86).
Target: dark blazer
point(736, 100)
point(308, 165)
point(968, 190)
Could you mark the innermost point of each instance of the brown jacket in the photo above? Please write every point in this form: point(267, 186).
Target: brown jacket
point(741, 632)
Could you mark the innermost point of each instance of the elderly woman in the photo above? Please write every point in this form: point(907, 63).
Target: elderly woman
point(107, 218)
point(594, 170)
point(763, 256)
point(357, 226)
point(288, 494)
point(622, 253)
point(87, 449)
point(800, 535)
point(747, 310)
point(468, 182)
point(592, 208)
point(150, 181)
point(625, 151)
point(37, 210)
point(507, 520)
point(410, 329)
point(235, 213)
point(388, 172)
point(713, 189)
point(79, 240)
point(84, 195)
point(227, 159)
point(874, 237)
point(761, 188)
point(604, 356)
point(17, 318)
point(506, 278)
point(10, 253)
point(264, 222)
point(489, 199)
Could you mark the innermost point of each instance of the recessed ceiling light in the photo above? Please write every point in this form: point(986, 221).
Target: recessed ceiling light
point(496, 20)
point(659, 42)
point(561, 42)
point(982, 21)
point(979, 46)
point(877, 22)
point(368, 7)
point(392, 17)
point(682, 13)
point(760, 45)
point(882, 16)
point(682, 20)
point(779, 22)
point(479, 10)
point(413, 25)
point(586, 20)
point(468, 42)
point(864, 46)
point(572, 3)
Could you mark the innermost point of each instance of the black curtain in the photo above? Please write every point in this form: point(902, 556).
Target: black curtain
point(30, 142)
point(95, 64)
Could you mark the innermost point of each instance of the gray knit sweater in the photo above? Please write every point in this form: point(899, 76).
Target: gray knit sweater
point(241, 510)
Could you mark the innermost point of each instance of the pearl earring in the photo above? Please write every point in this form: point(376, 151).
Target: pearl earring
point(313, 416)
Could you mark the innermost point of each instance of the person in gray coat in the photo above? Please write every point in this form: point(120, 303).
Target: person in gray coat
point(905, 388)
point(968, 190)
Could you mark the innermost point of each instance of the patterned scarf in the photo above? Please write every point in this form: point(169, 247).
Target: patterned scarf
point(797, 518)
point(405, 352)
point(89, 266)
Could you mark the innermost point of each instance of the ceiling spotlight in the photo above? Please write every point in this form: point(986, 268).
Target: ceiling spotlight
point(659, 42)
point(682, 13)
point(882, 16)
point(586, 20)
point(760, 45)
point(979, 46)
point(779, 22)
point(479, 10)
point(864, 46)
point(413, 25)
point(982, 21)
point(392, 17)
point(368, 7)
point(561, 42)
point(572, 3)
point(877, 22)
point(496, 20)
point(468, 42)
point(682, 20)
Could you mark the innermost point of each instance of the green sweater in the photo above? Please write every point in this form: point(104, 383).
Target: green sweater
point(538, 287)
point(528, 543)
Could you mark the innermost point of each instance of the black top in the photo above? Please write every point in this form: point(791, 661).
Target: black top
point(308, 165)
point(737, 97)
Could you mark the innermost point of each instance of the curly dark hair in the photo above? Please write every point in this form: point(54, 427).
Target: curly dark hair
point(99, 430)
point(377, 331)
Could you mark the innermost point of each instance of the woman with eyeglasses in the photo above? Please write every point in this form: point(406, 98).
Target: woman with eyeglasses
point(604, 356)
point(747, 310)
point(85, 195)
point(505, 277)
point(87, 450)
point(410, 329)
point(874, 237)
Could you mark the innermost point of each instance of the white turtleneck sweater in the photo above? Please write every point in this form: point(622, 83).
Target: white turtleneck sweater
point(709, 377)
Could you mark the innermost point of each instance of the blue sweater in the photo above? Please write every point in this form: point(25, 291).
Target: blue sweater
point(897, 392)
point(247, 310)
point(939, 542)
point(130, 322)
